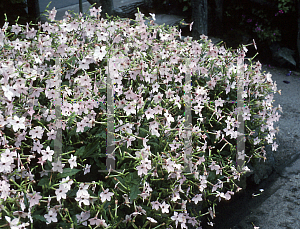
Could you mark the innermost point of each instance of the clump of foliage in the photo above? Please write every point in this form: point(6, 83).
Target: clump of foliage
point(55, 79)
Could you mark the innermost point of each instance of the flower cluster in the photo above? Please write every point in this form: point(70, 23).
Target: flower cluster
point(50, 143)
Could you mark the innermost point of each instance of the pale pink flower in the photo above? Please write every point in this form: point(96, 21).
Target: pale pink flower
point(169, 117)
point(8, 93)
point(34, 200)
point(153, 16)
point(197, 198)
point(83, 189)
point(83, 217)
point(36, 132)
point(87, 169)
point(72, 161)
point(47, 154)
point(175, 218)
point(52, 14)
point(37, 146)
point(106, 195)
point(8, 156)
point(130, 109)
point(274, 146)
point(98, 222)
point(154, 128)
point(164, 207)
point(158, 98)
point(58, 166)
point(17, 123)
point(213, 166)
point(149, 113)
point(68, 184)
point(127, 219)
point(51, 216)
point(52, 134)
point(94, 12)
point(83, 199)
point(142, 169)
point(61, 192)
point(13, 224)
point(155, 87)
point(80, 126)
point(99, 53)
point(16, 29)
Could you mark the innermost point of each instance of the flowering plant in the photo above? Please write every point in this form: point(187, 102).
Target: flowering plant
point(53, 148)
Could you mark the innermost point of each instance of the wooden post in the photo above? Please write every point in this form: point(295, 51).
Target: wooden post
point(33, 9)
point(218, 23)
point(199, 16)
point(80, 6)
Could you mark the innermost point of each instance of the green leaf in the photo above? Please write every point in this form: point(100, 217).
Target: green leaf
point(68, 172)
point(80, 152)
point(86, 128)
point(143, 130)
point(153, 143)
point(71, 119)
point(134, 191)
point(185, 8)
point(26, 201)
point(44, 181)
point(121, 180)
point(90, 149)
point(72, 193)
point(39, 217)
point(135, 179)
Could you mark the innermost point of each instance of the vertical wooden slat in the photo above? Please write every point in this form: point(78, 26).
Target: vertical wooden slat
point(110, 160)
point(58, 100)
point(110, 139)
point(240, 105)
point(188, 119)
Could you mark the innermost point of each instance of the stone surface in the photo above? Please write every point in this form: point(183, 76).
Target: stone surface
point(61, 11)
point(167, 19)
point(127, 8)
point(282, 55)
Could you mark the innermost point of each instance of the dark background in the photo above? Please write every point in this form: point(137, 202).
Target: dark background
point(232, 28)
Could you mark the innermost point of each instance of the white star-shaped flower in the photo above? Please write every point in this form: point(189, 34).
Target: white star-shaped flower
point(99, 53)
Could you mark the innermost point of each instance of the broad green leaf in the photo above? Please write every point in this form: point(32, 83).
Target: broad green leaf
point(68, 172)
point(80, 152)
point(134, 191)
point(39, 217)
point(44, 181)
point(90, 149)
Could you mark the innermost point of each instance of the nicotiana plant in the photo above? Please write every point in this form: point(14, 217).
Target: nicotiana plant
point(153, 183)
